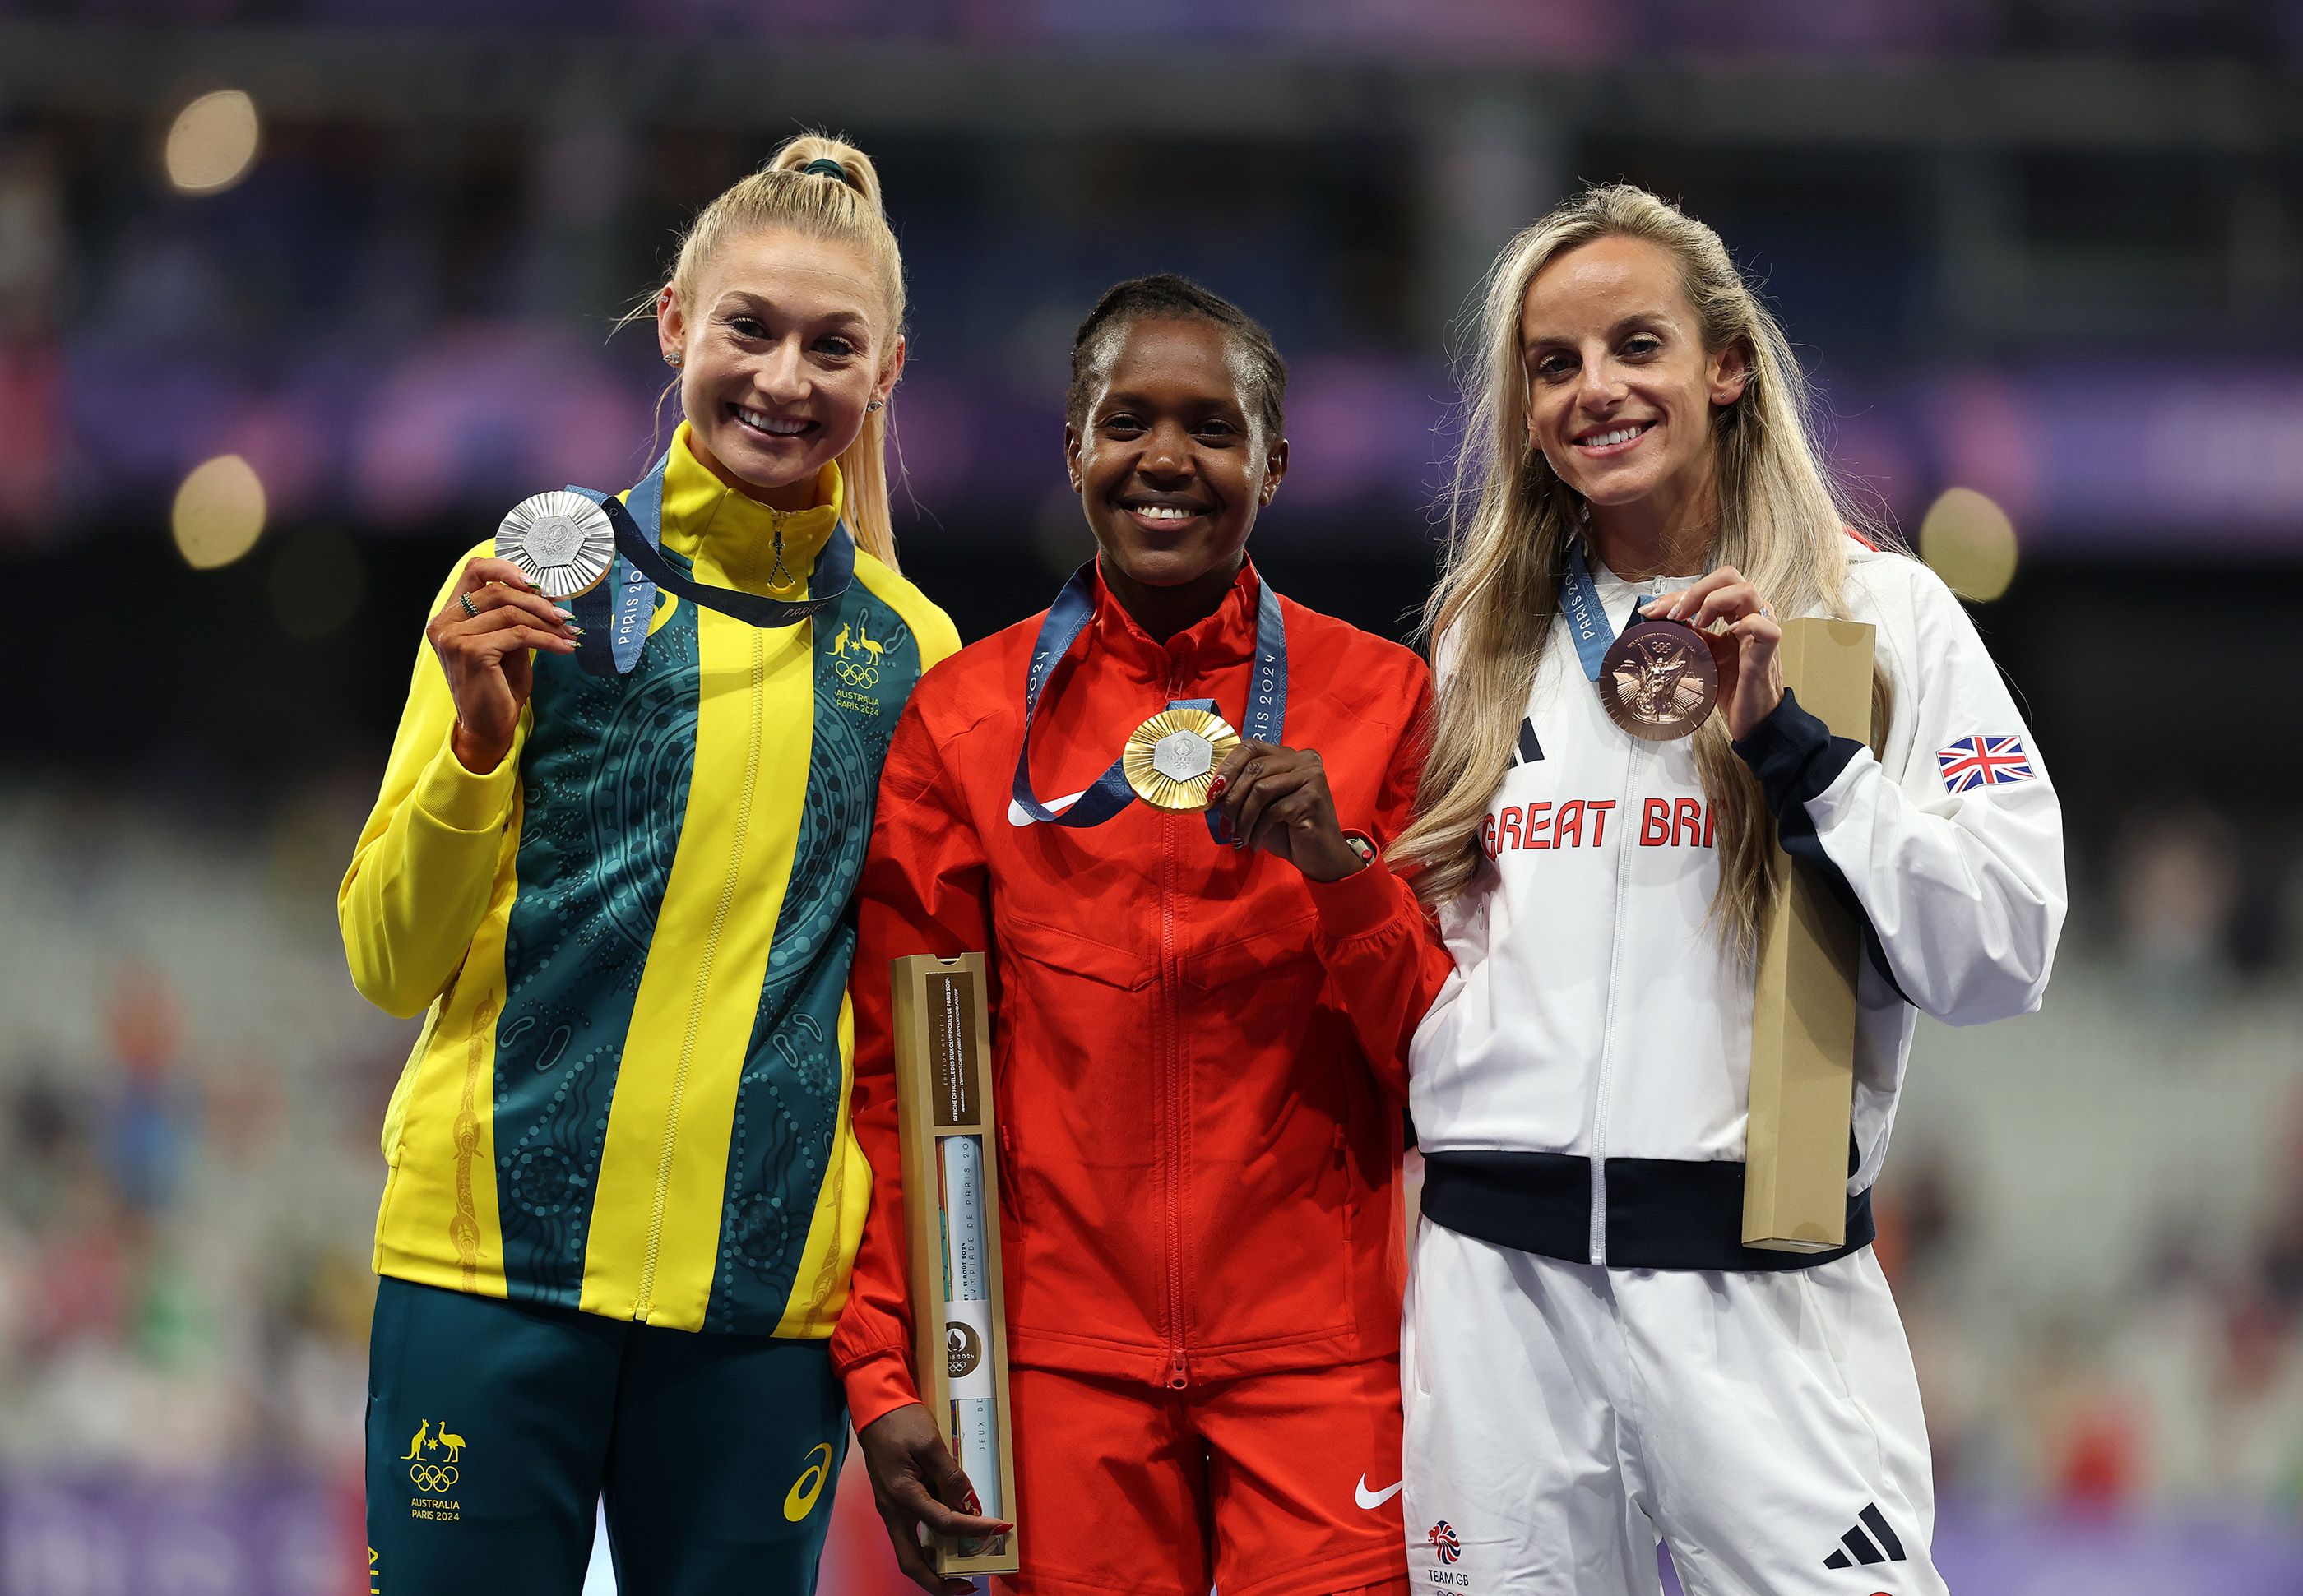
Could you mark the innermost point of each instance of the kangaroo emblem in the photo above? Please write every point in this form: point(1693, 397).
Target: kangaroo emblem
point(840, 641)
point(454, 1442)
point(416, 1448)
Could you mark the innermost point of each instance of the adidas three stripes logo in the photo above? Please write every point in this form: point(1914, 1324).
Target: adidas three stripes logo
point(1880, 1546)
point(1527, 750)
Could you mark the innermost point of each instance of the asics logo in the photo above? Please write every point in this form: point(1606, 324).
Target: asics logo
point(1372, 1500)
point(800, 1499)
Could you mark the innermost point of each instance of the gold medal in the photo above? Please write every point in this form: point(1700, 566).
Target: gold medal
point(1171, 758)
point(1659, 681)
point(561, 541)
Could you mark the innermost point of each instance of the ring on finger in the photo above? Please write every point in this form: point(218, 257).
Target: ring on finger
point(470, 609)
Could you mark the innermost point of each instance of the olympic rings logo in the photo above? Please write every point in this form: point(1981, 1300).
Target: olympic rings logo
point(425, 1476)
point(859, 676)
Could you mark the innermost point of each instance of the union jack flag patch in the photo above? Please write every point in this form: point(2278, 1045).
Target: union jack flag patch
point(1974, 762)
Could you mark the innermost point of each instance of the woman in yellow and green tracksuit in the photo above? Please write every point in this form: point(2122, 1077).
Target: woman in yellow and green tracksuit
point(623, 1197)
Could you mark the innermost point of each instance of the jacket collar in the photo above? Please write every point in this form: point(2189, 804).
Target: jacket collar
point(706, 520)
point(1226, 637)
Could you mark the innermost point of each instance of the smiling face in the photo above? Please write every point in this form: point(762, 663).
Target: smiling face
point(780, 348)
point(1169, 465)
point(1621, 391)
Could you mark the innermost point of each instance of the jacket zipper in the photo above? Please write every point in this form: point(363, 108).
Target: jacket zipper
point(646, 1302)
point(1179, 1367)
point(779, 574)
point(1010, 1177)
point(1597, 1240)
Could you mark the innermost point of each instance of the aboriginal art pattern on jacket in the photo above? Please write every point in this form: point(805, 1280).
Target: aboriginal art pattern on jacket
point(606, 779)
point(788, 1103)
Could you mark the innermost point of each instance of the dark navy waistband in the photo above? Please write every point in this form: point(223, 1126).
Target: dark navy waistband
point(1662, 1212)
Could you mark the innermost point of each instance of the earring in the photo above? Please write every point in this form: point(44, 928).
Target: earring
point(673, 360)
point(873, 406)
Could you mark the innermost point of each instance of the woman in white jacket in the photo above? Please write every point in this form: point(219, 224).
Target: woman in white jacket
point(1593, 1359)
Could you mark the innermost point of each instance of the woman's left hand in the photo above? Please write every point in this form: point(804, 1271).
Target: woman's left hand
point(1277, 799)
point(1747, 652)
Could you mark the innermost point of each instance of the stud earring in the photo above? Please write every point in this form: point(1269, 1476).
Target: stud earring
point(673, 360)
point(873, 406)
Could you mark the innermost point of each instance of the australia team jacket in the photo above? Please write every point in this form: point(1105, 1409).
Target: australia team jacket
point(631, 945)
point(1580, 1085)
point(1200, 1137)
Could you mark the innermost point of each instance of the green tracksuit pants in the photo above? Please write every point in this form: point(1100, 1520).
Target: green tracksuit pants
point(496, 1428)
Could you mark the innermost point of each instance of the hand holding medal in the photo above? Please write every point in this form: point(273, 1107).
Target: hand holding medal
point(1744, 657)
point(483, 636)
point(1660, 679)
point(1170, 760)
point(1277, 799)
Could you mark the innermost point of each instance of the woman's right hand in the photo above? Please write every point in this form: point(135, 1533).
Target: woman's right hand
point(914, 1482)
point(484, 652)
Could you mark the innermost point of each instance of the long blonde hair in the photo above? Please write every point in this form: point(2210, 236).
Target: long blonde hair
point(818, 206)
point(1511, 522)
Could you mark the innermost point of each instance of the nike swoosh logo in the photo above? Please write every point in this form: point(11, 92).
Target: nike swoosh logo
point(1016, 816)
point(1375, 1498)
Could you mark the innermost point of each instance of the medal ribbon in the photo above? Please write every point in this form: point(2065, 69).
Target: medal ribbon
point(1067, 618)
point(1587, 616)
point(615, 614)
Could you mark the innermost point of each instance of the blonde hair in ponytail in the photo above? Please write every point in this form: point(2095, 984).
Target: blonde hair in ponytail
point(1512, 521)
point(818, 206)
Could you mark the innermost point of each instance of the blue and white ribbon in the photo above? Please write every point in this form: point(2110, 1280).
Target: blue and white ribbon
point(1109, 794)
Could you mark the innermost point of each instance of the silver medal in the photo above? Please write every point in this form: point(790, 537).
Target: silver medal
point(561, 541)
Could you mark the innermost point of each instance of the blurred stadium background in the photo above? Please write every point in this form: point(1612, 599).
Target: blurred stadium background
point(269, 361)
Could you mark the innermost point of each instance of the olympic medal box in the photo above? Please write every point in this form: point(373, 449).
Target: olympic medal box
point(951, 1220)
point(1803, 1007)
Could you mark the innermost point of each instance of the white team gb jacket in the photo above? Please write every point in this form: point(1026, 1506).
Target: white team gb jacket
point(1580, 1085)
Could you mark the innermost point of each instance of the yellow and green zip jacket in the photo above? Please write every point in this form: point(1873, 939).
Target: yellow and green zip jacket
point(633, 940)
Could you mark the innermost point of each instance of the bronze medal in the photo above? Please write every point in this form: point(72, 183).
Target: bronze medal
point(1171, 758)
point(1658, 680)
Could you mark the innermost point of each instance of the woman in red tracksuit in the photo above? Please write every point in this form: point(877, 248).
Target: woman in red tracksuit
point(1199, 1049)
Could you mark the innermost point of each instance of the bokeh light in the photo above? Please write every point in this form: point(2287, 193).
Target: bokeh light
point(219, 512)
point(212, 143)
point(317, 583)
point(1970, 543)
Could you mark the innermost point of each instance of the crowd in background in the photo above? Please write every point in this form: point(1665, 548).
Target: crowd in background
point(190, 1102)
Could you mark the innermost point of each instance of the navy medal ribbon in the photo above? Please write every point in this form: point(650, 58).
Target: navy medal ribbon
point(1067, 618)
point(615, 613)
point(1587, 616)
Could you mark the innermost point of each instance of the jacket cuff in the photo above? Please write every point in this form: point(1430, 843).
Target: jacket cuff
point(1359, 904)
point(463, 800)
point(1794, 755)
point(878, 1383)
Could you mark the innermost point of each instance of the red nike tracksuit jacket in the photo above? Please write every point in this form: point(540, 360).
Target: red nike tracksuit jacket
point(1199, 1055)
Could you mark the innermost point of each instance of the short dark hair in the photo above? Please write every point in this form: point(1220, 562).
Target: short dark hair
point(1164, 294)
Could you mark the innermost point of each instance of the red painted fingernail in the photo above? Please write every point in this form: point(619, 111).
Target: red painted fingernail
point(1216, 787)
